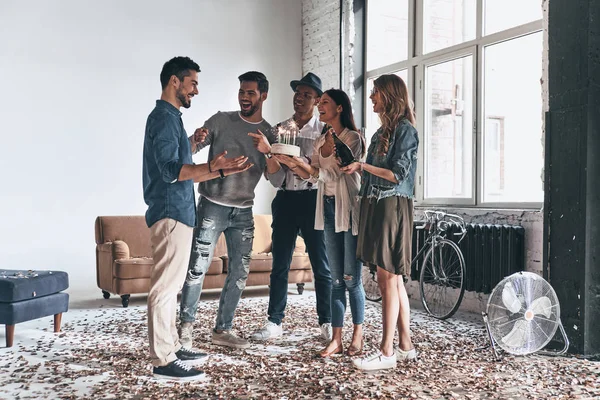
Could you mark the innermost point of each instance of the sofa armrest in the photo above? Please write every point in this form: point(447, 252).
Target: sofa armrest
point(120, 250)
point(117, 249)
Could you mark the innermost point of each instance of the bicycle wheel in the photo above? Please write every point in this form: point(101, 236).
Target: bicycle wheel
point(442, 280)
point(369, 281)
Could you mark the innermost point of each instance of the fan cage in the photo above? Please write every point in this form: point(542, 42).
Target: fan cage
point(523, 332)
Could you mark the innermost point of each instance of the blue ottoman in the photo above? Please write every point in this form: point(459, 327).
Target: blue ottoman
point(27, 295)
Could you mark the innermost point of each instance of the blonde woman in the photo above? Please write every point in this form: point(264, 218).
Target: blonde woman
point(386, 215)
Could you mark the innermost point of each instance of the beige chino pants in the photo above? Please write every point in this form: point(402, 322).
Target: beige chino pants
point(171, 243)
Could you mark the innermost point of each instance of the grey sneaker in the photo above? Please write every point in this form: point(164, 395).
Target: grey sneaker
point(185, 334)
point(326, 331)
point(226, 338)
point(269, 331)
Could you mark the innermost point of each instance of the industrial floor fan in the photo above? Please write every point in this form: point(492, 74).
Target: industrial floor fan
point(523, 314)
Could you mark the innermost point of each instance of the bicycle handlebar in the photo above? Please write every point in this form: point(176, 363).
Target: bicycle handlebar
point(439, 218)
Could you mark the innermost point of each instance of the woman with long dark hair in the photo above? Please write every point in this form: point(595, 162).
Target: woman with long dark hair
point(386, 215)
point(337, 214)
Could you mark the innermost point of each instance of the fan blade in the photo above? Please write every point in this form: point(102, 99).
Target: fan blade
point(542, 305)
point(517, 336)
point(510, 299)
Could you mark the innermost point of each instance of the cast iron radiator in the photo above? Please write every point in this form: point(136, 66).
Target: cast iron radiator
point(492, 252)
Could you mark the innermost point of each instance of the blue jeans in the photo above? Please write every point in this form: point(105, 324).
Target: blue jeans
point(294, 212)
point(346, 270)
point(238, 226)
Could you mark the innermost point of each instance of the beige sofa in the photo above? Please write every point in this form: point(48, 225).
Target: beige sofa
point(124, 257)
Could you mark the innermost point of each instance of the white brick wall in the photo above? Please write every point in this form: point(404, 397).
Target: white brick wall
point(321, 40)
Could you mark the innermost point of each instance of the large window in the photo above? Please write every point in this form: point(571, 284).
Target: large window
point(474, 70)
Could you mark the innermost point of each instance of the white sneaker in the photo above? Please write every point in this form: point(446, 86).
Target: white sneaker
point(185, 334)
point(401, 355)
point(226, 338)
point(269, 331)
point(375, 360)
point(326, 331)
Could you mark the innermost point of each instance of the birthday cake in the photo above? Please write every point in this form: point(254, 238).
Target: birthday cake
point(287, 149)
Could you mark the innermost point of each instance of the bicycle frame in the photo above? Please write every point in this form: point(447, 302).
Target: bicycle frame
point(435, 222)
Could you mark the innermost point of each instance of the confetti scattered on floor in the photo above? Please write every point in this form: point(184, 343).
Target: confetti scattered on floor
point(103, 353)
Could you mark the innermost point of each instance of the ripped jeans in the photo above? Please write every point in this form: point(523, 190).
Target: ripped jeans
point(346, 270)
point(238, 226)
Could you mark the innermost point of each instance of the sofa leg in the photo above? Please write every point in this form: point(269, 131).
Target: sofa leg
point(105, 294)
point(300, 287)
point(10, 335)
point(125, 300)
point(57, 320)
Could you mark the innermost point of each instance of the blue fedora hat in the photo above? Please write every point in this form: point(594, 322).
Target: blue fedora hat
point(311, 80)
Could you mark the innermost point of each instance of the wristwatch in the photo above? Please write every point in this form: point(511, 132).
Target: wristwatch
point(269, 155)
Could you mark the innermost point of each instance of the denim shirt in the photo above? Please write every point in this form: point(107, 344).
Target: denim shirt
point(401, 159)
point(166, 150)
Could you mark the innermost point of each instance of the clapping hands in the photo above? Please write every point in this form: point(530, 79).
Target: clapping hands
point(230, 166)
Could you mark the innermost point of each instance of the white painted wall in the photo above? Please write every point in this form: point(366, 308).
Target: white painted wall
point(78, 80)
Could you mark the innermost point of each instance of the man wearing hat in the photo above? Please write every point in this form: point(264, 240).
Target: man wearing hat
point(293, 212)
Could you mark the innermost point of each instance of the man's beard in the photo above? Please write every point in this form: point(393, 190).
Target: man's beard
point(250, 112)
point(183, 99)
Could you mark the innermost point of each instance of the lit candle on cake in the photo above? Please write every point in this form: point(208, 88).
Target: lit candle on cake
point(287, 134)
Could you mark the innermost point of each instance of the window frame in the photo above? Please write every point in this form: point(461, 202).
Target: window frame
point(416, 64)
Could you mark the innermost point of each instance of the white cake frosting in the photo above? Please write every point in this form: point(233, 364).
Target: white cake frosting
point(287, 149)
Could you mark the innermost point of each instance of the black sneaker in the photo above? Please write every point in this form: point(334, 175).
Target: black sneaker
point(177, 370)
point(190, 354)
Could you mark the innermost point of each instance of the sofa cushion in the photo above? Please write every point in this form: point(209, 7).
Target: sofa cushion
point(133, 268)
point(139, 268)
point(300, 261)
point(263, 262)
point(262, 234)
point(18, 285)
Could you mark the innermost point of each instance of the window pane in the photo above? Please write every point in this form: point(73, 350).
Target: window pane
point(512, 143)
point(447, 23)
point(373, 122)
point(500, 14)
point(448, 129)
point(387, 32)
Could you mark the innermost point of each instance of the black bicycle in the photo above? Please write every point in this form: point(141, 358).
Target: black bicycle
point(442, 272)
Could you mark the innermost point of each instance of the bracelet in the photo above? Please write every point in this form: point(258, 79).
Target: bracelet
point(316, 173)
point(362, 166)
point(209, 170)
point(221, 173)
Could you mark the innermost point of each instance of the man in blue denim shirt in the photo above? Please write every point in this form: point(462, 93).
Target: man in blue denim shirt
point(168, 176)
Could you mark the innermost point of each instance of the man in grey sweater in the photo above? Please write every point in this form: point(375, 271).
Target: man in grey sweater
point(225, 206)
